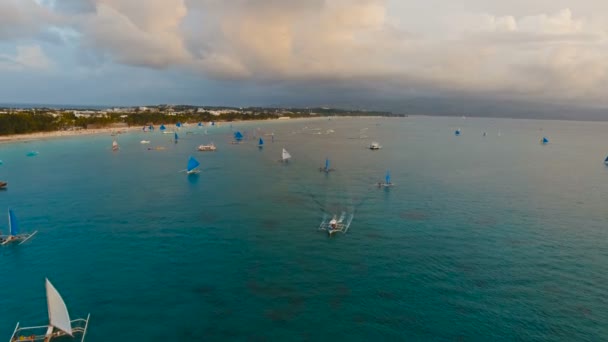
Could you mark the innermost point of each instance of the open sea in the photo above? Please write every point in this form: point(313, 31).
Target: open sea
point(482, 238)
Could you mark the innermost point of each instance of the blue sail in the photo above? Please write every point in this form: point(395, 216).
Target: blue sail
point(192, 164)
point(200, 124)
point(212, 123)
point(179, 124)
point(238, 136)
point(457, 132)
point(13, 227)
point(326, 163)
point(387, 178)
point(176, 137)
point(261, 143)
point(162, 127)
point(545, 140)
point(151, 127)
point(605, 161)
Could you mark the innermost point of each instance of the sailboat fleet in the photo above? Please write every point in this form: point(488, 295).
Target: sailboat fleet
point(60, 325)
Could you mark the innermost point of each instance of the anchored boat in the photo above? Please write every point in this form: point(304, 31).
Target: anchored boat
point(207, 148)
point(375, 146)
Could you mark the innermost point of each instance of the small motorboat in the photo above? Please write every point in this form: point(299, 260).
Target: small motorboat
point(336, 225)
point(207, 148)
point(144, 142)
point(3, 184)
point(375, 146)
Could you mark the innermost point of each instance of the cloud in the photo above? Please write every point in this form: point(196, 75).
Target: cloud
point(23, 19)
point(140, 32)
point(524, 49)
point(26, 57)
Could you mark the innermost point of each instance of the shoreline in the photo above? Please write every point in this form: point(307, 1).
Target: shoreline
point(4, 139)
point(61, 134)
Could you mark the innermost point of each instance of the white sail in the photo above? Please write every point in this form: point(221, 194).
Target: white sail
point(58, 312)
point(286, 154)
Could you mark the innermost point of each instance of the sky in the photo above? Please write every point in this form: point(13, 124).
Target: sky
point(358, 53)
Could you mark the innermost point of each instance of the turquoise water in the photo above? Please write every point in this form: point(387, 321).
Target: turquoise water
point(483, 238)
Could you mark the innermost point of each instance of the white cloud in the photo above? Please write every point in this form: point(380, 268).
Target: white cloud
point(524, 48)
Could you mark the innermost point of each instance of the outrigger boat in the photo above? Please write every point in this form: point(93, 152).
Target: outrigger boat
point(207, 148)
point(336, 225)
point(115, 145)
point(59, 325)
point(238, 137)
point(375, 146)
point(13, 231)
point(192, 167)
point(326, 169)
point(285, 156)
point(387, 181)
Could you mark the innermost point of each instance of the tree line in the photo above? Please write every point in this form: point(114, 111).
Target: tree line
point(37, 121)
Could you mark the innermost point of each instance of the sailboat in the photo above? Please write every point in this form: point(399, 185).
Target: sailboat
point(59, 325)
point(162, 128)
point(114, 145)
point(285, 156)
point(457, 132)
point(326, 169)
point(175, 137)
point(261, 143)
point(387, 180)
point(238, 137)
point(192, 167)
point(606, 161)
point(13, 231)
point(544, 141)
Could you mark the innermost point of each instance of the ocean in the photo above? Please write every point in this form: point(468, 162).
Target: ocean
point(482, 238)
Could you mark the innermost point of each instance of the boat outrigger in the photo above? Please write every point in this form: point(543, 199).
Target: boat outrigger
point(206, 148)
point(13, 231)
point(59, 325)
point(336, 225)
